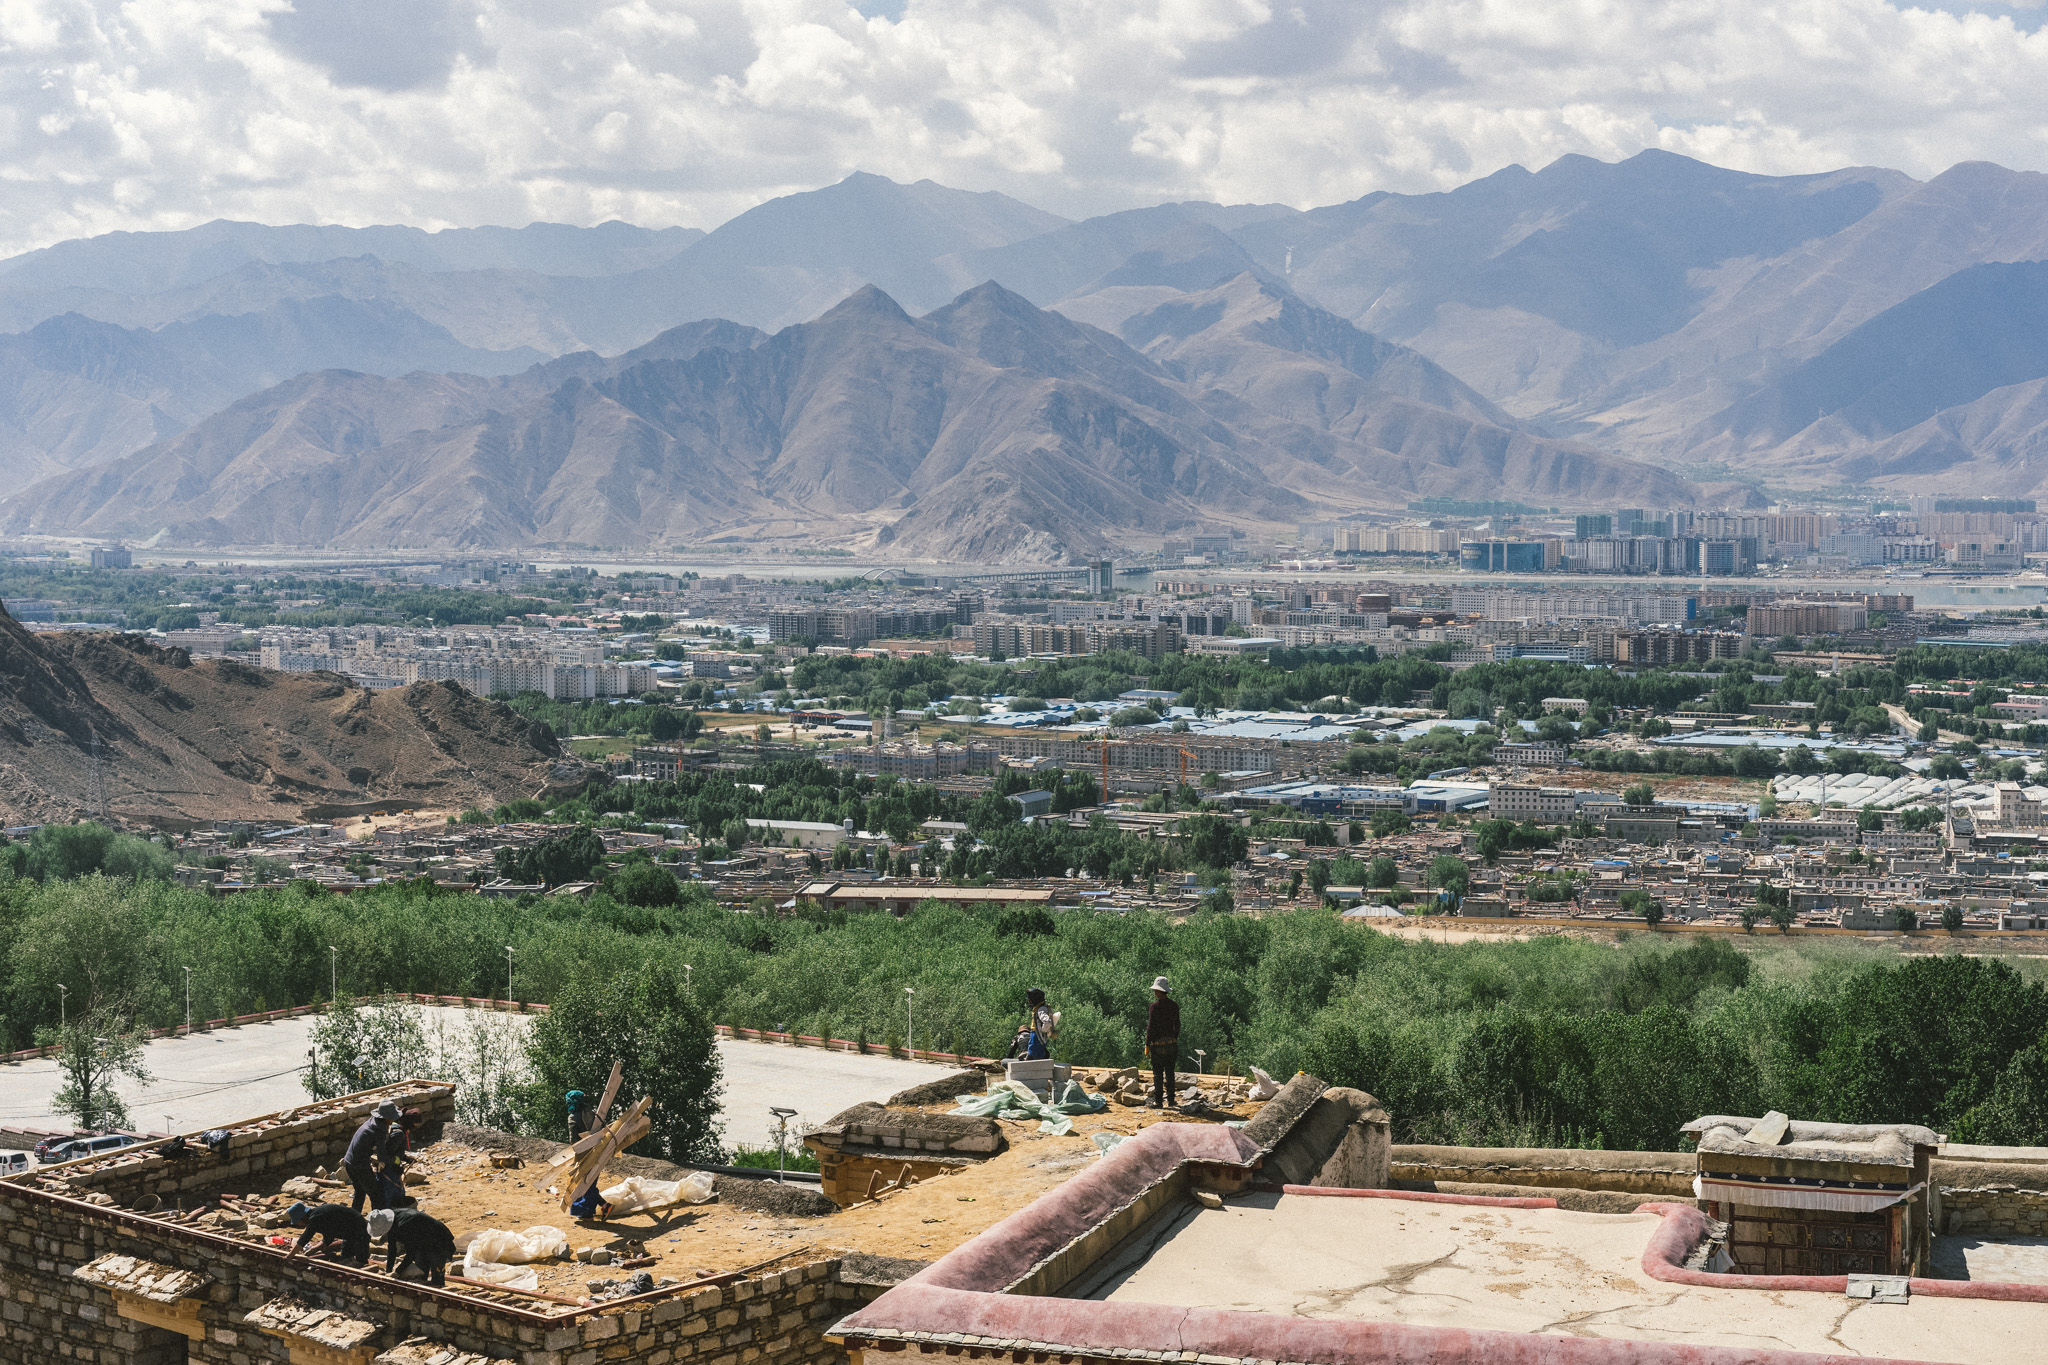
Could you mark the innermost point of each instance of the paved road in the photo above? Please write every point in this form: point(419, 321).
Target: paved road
point(216, 1078)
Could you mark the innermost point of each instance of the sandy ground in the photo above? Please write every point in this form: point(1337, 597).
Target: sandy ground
point(921, 1222)
point(231, 1074)
point(1522, 1270)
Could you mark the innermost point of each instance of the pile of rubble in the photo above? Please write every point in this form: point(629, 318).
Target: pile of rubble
point(1132, 1087)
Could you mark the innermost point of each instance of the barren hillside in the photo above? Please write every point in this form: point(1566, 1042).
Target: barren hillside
point(182, 741)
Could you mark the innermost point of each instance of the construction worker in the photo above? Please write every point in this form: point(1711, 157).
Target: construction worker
point(581, 1120)
point(342, 1232)
point(412, 1238)
point(1162, 1043)
point(1041, 1025)
point(360, 1158)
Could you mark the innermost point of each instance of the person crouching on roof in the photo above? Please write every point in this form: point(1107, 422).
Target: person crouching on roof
point(342, 1232)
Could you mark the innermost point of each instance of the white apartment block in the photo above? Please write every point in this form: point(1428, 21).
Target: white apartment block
point(1525, 801)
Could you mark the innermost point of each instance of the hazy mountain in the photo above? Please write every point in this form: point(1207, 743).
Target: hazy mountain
point(152, 262)
point(75, 391)
point(988, 428)
point(1809, 328)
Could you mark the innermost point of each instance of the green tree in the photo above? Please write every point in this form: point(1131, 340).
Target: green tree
point(1639, 902)
point(1382, 872)
point(93, 1050)
point(1903, 918)
point(1952, 917)
point(1784, 916)
point(643, 884)
point(64, 852)
point(553, 859)
point(645, 1019)
point(362, 1047)
point(1751, 916)
point(1449, 873)
point(1639, 794)
point(1214, 841)
point(1386, 823)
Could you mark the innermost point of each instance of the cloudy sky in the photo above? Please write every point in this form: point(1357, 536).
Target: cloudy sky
point(127, 114)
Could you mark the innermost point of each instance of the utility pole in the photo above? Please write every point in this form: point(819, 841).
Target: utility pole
point(63, 999)
point(908, 991)
point(188, 1002)
point(334, 976)
point(688, 988)
point(508, 971)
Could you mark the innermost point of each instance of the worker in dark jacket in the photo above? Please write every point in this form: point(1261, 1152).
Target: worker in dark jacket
point(341, 1231)
point(418, 1239)
point(359, 1161)
point(1162, 1042)
point(581, 1120)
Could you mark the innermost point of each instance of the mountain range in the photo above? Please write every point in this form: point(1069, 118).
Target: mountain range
point(918, 370)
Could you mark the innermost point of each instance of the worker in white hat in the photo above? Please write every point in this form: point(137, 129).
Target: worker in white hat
point(1162, 1042)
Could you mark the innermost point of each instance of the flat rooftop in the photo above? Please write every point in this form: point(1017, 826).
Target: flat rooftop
point(1515, 1270)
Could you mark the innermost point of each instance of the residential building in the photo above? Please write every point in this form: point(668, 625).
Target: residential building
point(1527, 802)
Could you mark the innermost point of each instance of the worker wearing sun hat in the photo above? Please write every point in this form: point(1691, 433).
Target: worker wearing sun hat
point(1162, 1041)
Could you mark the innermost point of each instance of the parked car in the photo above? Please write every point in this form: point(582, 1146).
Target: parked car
point(14, 1163)
point(89, 1144)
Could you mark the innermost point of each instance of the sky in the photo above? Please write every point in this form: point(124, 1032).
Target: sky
point(154, 114)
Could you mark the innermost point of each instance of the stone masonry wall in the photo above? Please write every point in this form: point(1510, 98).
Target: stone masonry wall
point(1993, 1210)
point(297, 1140)
point(46, 1313)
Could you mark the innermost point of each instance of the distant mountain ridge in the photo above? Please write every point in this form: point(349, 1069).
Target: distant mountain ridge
point(1856, 325)
point(987, 429)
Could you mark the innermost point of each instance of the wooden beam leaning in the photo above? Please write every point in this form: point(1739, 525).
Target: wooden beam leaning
point(629, 1129)
point(611, 1091)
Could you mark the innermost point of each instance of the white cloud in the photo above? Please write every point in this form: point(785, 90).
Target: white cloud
point(163, 113)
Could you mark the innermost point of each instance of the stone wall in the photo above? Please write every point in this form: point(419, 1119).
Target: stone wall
point(295, 1140)
point(1659, 1175)
point(1990, 1198)
point(47, 1312)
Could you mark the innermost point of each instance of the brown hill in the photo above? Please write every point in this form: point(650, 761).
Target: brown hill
point(182, 741)
point(989, 429)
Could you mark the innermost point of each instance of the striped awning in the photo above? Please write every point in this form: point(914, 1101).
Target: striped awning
point(1772, 1195)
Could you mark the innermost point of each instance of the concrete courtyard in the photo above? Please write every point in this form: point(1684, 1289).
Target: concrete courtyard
point(213, 1078)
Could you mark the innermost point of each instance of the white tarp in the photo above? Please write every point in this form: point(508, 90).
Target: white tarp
point(499, 1257)
point(1796, 1197)
point(636, 1194)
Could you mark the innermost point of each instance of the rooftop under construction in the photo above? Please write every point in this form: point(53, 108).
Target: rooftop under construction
point(1288, 1229)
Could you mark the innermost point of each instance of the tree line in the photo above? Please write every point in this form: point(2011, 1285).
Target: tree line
point(1528, 1043)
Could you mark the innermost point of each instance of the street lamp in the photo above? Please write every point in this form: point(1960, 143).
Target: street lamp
point(782, 1118)
point(188, 1001)
point(63, 1014)
point(908, 991)
point(334, 975)
point(508, 971)
point(689, 989)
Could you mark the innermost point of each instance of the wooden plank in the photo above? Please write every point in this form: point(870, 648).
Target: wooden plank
point(611, 1092)
point(592, 1166)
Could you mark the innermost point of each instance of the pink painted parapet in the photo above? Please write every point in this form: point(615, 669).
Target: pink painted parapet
point(959, 1305)
point(1685, 1227)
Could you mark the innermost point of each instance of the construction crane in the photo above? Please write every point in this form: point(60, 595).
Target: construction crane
point(1185, 755)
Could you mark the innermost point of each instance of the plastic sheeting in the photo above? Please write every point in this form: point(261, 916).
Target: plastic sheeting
point(1015, 1100)
point(635, 1194)
point(499, 1257)
point(1264, 1087)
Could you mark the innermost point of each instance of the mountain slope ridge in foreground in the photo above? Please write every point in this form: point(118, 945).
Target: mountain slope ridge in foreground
point(988, 429)
point(183, 742)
